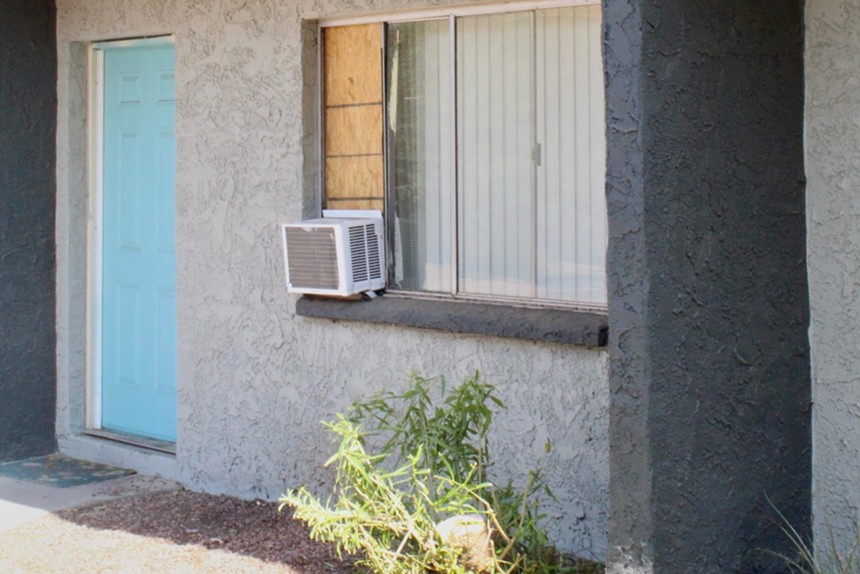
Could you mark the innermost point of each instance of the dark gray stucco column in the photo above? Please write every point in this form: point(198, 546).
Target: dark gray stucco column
point(708, 312)
point(28, 115)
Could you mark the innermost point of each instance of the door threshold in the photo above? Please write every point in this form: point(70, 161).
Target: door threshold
point(134, 440)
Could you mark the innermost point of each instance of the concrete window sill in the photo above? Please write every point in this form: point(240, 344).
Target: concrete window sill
point(583, 328)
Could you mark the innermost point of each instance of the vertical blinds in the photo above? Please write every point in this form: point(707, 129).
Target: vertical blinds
point(496, 140)
point(571, 191)
point(530, 152)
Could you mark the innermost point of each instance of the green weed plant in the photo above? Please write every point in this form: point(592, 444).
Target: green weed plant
point(432, 466)
point(831, 558)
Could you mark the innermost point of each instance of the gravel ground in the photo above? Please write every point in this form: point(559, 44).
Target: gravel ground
point(173, 532)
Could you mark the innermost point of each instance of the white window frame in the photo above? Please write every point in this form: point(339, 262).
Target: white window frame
point(440, 12)
point(422, 14)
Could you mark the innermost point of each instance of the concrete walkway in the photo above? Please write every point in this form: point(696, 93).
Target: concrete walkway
point(22, 501)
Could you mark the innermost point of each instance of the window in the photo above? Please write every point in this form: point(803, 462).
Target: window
point(482, 136)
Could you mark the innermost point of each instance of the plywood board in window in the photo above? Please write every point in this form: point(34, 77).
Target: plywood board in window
point(353, 64)
point(377, 204)
point(354, 177)
point(355, 130)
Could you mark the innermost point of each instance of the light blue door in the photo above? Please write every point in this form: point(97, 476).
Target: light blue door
point(138, 365)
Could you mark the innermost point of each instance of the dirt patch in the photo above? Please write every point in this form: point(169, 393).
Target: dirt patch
point(178, 531)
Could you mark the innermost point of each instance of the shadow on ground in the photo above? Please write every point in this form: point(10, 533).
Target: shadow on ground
point(249, 528)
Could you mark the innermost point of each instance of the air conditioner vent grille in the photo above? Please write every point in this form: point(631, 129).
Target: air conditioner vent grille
point(373, 252)
point(358, 253)
point(312, 254)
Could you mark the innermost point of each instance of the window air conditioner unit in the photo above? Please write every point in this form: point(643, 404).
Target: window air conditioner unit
point(340, 254)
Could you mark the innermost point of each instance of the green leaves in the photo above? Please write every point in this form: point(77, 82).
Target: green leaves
point(452, 437)
point(432, 466)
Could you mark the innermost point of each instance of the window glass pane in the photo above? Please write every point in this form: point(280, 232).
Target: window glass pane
point(495, 93)
point(531, 149)
point(571, 204)
point(419, 153)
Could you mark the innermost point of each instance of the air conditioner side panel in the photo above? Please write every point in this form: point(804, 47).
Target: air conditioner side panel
point(345, 286)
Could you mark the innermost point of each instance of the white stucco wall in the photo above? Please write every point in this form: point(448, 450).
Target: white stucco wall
point(255, 380)
point(833, 220)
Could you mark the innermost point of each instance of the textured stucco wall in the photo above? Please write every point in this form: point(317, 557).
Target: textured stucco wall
point(709, 362)
point(255, 379)
point(833, 220)
point(28, 72)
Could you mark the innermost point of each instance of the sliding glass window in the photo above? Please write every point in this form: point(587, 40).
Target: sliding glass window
point(494, 155)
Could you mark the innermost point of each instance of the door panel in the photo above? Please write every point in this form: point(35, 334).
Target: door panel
point(138, 386)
